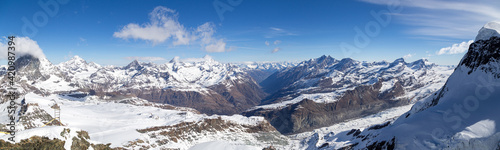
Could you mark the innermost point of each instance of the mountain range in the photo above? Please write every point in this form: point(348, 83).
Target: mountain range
point(186, 102)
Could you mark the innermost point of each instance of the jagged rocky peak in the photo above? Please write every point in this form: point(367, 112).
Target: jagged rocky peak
point(134, 65)
point(347, 61)
point(33, 67)
point(399, 60)
point(176, 59)
point(324, 59)
point(26, 60)
point(31, 61)
point(489, 30)
point(485, 49)
point(421, 63)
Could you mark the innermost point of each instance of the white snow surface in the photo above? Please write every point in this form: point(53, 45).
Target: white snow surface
point(489, 30)
point(115, 123)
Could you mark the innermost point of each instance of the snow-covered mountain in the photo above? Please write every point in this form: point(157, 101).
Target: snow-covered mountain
point(463, 114)
point(204, 84)
point(323, 91)
point(259, 71)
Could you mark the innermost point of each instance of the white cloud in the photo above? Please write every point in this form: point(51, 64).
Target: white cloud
point(220, 46)
point(23, 46)
point(145, 58)
point(267, 43)
point(82, 42)
point(163, 26)
point(455, 48)
point(276, 50)
point(445, 18)
point(408, 56)
point(277, 42)
point(211, 44)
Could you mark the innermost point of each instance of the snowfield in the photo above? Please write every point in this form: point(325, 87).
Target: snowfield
point(117, 123)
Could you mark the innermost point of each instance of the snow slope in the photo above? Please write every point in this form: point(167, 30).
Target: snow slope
point(118, 122)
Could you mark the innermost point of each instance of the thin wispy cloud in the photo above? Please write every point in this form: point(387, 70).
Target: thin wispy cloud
point(276, 50)
point(82, 42)
point(455, 48)
point(277, 42)
point(277, 32)
point(164, 26)
point(443, 18)
point(408, 56)
point(208, 41)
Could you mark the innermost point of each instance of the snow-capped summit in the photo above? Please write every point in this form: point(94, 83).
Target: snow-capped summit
point(175, 59)
point(208, 58)
point(77, 58)
point(74, 63)
point(134, 65)
point(489, 30)
point(420, 63)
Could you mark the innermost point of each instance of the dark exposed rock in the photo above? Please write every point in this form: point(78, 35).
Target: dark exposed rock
point(379, 126)
point(482, 52)
point(307, 114)
point(383, 145)
point(34, 142)
point(218, 100)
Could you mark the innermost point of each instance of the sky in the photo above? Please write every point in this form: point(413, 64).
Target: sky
point(117, 32)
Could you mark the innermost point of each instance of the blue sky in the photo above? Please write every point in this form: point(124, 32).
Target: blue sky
point(116, 32)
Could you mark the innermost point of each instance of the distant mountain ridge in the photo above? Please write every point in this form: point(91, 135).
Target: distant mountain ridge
point(259, 71)
point(323, 91)
point(206, 85)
